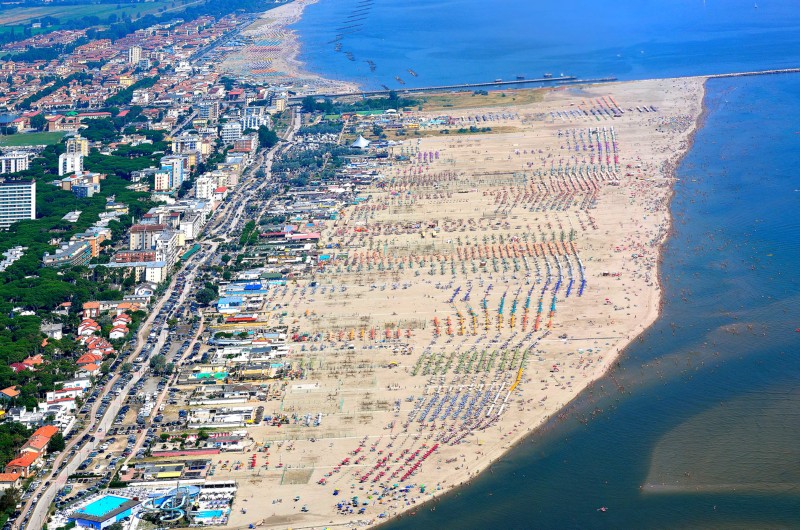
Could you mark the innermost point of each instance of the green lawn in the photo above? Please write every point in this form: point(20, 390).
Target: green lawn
point(24, 15)
point(42, 138)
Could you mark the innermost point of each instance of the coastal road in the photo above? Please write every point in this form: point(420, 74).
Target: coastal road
point(182, 124)
point(266, 162)
point(67, 462)
point(43, 496)
point(46, 495)
point(231, 218)
point(173, 377)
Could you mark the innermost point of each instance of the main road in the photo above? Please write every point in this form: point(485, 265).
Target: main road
point(68, 460)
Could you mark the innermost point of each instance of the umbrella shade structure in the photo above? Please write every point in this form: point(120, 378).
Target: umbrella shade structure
point(360, 143)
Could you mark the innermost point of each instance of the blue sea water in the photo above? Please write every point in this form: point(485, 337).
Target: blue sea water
point(456, 41)
point(696, 427)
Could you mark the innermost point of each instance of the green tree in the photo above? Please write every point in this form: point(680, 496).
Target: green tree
point(309, 104)
point(267, 137)
point(39, 122)
point(56, 443)
point(9, 500)
point(158, 363)
point(205, 296)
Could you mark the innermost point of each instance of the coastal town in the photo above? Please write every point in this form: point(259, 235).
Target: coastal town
point(230, 301)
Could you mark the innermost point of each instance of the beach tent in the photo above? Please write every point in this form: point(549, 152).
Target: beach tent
point(360, 143)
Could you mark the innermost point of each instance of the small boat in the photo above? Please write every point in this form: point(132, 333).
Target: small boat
point(602, 509)
point(412, 72)
point(399, 80)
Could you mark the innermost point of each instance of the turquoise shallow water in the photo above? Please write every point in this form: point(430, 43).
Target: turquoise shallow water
point(697, 426)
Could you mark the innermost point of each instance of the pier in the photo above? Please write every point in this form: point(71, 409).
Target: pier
point(756, 72)
point(561, 80)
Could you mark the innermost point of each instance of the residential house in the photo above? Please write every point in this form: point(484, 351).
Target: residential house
point(118, 332)
point(122, 319)
point(91, 309)
point(10, 480)
point(24, 465)
point(33, 360)
point(89, 370)
point(88, 327)
point(88, 358)
point(9, 393)
point(53, 331)
point(20, 367)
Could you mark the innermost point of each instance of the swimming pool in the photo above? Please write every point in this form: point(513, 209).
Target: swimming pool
point(208, 514)
point(103, 505)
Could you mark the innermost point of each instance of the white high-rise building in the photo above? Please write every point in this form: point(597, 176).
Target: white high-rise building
point(180, 168)
point(69, 163)
point(163, 179)
point(231, 132)
point(17, 201)
point(78, 144)
point(204, 188)
point(134, 55)
point(13, 162)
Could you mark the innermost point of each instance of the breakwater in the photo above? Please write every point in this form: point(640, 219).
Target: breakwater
point(561, 80)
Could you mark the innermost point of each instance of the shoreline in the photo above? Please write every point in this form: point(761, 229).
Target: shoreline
point(276, 51)
point(650, 319)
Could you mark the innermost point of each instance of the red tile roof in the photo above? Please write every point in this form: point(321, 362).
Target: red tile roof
point(25, 460)
point(11, 391)
point(47, 431)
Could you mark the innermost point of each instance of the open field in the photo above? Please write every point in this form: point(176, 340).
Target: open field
point(64, 13)
point(471, 99)
point(43, 138)
point(424, 133)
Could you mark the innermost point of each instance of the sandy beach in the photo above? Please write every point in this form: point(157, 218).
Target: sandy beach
point(270, 54)
point(488, 280)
